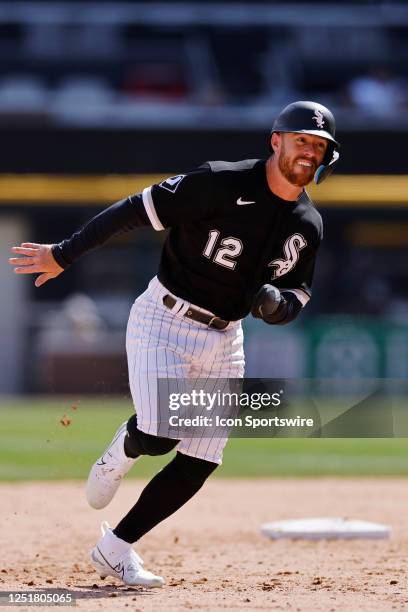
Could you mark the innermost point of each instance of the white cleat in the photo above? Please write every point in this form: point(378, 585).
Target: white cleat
point(107, 473)
point(115, 557)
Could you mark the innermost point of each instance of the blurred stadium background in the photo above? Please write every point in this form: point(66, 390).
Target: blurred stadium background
point(99, 99)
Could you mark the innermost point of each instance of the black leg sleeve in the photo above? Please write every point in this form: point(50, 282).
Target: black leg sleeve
point(140, 443)
point(170, 489)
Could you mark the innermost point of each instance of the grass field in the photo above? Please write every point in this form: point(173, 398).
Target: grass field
point(34, 444)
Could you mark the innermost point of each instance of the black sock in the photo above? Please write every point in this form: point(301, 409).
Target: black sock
point(170, 489)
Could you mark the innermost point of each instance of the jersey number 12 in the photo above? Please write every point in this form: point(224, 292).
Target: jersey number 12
point(229, 249)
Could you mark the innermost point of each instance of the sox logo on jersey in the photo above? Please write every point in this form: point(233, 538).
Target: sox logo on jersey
point(291, 248)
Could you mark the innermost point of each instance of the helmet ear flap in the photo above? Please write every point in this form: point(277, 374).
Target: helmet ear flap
point(328, 156)
point(326, 169)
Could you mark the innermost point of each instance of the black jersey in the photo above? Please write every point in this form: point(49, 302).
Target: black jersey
point(229, 235)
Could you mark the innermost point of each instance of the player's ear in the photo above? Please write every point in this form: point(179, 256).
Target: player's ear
point(275, 141)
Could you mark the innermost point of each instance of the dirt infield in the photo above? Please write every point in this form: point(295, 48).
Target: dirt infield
point(211, 553)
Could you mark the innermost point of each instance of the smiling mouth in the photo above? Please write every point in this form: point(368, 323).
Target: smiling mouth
point(305, 163)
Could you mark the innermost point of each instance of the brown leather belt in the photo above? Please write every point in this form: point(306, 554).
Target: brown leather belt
point(196, 315)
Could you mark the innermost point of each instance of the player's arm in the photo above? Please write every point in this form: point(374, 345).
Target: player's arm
point(51, 259)
point(276, 307)
point(121, 217)
point(174, 201)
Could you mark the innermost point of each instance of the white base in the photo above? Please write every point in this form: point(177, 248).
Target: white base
point(325, 529)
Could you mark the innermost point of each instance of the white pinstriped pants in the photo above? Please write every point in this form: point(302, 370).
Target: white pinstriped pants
point(162, 343)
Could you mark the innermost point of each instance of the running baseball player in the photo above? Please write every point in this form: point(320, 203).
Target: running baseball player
point(243, 239)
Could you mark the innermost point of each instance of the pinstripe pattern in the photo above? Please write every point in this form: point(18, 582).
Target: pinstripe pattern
point(162, 344)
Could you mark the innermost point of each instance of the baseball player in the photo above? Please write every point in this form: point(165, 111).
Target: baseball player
point(243, 239)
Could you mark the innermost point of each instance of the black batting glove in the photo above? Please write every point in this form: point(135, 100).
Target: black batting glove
point(268, 304)
point(274, 307)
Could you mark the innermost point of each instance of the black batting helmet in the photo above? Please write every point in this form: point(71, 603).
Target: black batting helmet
point(306, 117)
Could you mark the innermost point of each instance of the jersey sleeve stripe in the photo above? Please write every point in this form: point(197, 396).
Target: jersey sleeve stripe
point(301, 295)
point(150, 209)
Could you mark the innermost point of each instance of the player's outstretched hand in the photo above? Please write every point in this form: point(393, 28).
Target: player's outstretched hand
point(36, 258)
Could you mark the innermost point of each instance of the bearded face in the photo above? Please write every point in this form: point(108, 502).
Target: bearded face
point(299, 157)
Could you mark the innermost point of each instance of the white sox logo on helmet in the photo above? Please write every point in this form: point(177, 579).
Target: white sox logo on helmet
point(319, 118)
point(291, 248)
